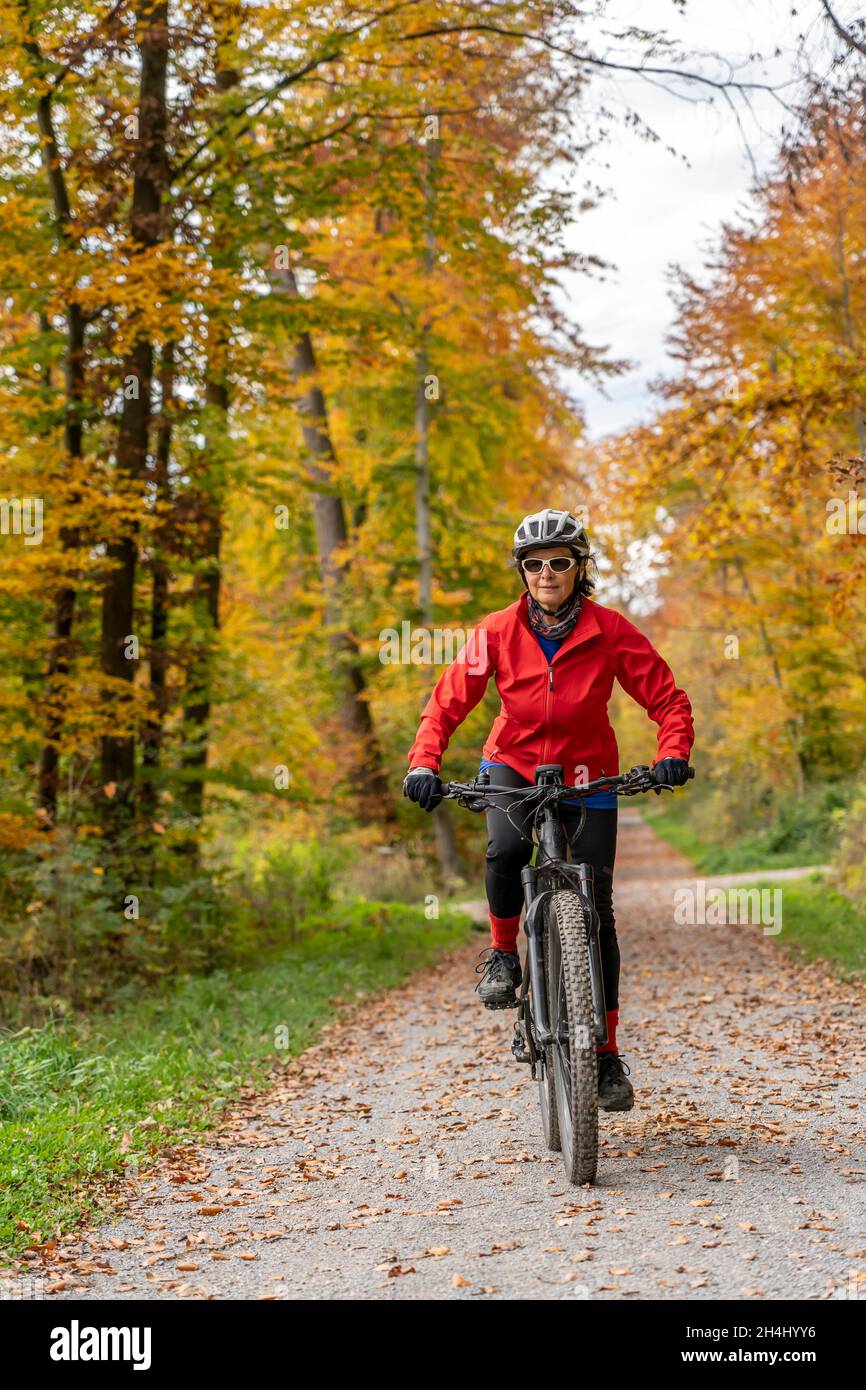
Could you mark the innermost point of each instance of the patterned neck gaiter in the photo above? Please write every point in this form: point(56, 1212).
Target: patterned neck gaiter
point(566, 616)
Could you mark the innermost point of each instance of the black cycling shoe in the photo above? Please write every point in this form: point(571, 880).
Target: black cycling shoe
point(502, 976)
point(615, 1091)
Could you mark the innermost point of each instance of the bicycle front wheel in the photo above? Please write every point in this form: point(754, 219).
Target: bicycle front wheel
point(572, 1053)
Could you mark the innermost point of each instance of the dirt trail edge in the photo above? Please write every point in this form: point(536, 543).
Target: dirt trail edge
point(402, 1158)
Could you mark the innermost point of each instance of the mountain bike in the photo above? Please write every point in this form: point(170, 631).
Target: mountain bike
point(561, 1014)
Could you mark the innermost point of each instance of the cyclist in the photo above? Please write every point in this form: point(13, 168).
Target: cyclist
point(554, 654)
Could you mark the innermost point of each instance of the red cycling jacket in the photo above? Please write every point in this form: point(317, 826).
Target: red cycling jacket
point(555, 712)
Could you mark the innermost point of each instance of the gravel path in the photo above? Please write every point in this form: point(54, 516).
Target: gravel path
point(401, 1158)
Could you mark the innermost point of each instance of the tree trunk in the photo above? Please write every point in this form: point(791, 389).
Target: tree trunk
point(64, 600)
point(848, 329)
point(206, 598)
point(367, 773)
point(60, 653)
point(152, 735)
point(423, 529)
point(366, 770)
point(118, 595)
point(208, 583)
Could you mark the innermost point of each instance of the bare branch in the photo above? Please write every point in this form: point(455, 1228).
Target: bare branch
point(843, 33)
point(640, 70)
point(86, 43)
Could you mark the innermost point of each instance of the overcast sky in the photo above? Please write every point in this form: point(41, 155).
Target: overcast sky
point(663, 210)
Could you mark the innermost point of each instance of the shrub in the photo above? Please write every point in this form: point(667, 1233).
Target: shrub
point(286, 886)
point(385, 873)
point(851, 854)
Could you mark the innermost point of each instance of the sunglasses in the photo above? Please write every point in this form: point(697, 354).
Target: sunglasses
point(560, 564)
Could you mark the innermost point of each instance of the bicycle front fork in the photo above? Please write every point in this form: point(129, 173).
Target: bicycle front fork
point(535, 903)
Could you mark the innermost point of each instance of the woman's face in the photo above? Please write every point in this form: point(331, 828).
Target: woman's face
point(551, 589)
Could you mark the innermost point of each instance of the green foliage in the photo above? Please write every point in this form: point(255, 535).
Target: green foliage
point(819, 924)
point(291, 883)
point(40, 1065)
point(73, 944)
point(786, 832)
point(75, 1093)
point(851, 855)
point(390, 873)
point(85, 930)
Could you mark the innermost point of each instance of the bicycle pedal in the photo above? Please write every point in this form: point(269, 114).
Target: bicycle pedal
point(518, 1044)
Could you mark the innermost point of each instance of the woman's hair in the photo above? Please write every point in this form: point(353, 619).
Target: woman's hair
point(585, 586)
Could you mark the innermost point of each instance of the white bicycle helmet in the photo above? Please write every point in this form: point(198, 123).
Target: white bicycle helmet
point(550, 527)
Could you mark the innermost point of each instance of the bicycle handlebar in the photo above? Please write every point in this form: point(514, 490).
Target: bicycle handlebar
point(638, 779)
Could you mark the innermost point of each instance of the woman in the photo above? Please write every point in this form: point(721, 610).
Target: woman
point(554, 654)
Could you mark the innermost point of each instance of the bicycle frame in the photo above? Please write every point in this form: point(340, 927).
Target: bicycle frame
point(551, 865)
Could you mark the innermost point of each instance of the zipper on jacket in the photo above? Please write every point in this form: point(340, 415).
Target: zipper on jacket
point(547, 697)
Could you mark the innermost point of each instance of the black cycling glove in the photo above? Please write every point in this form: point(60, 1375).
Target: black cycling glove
point(421, 784)
point(672, 772)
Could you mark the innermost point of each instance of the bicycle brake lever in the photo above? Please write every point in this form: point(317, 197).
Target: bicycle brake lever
point(466, 800)
point(642, 783)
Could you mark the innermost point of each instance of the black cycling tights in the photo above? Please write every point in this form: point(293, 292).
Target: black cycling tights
point(510, 849)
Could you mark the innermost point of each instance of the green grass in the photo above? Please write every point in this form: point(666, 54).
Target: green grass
point(671, 823)
point(73, 1096)
point(796, 836)
point(817, 923)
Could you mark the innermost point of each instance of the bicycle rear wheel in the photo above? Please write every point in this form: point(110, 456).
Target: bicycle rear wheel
point(574, 1067)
